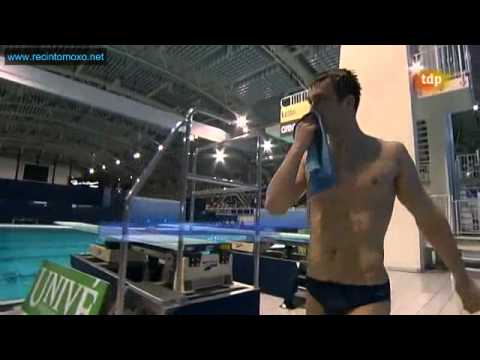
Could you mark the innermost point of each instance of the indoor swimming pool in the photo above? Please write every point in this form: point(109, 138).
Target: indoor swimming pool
point(23, 248)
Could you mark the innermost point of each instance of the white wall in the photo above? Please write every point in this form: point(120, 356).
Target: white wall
point(386, 112)
point(61, 174)
point(8, 167)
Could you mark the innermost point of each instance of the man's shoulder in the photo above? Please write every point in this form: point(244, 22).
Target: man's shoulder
point(390, 148)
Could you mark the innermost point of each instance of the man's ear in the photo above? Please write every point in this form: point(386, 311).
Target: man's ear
point(349, 101)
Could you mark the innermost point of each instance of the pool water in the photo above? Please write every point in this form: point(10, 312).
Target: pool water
point(22, 251)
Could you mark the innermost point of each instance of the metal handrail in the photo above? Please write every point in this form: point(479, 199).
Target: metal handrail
point(141, 181)
point(468, 165)
point(235, 190)
point(450, 59)
point(468, 219)
point(186, 176)
point(194, 177)
point(216, 181)
point(463, 215)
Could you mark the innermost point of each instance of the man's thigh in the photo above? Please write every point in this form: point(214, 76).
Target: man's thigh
point(379, 308)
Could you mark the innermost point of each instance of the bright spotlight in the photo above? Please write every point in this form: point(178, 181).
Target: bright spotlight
point(267, 146)
point(416, 67)
point(241, 121)
point(136, 155)
point(160, 147)
point(91, 171)
point(220, 155)
point(104, 167)
point(117, 162)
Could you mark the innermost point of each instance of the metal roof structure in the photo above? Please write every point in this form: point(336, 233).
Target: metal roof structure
point(224, 79)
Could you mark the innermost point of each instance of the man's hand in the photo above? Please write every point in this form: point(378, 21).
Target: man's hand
point(305, 132)
point(435, 227)
point(469, 293)
point(289, 182)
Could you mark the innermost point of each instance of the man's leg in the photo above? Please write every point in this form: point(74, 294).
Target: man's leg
point(313, 307)
point(292, 287)
point(380, 308)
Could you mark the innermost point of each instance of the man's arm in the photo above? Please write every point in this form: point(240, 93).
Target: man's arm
point(288, 184)
point(435, 227)
point(428, 217)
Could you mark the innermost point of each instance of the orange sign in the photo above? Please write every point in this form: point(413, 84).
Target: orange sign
point(429, 82)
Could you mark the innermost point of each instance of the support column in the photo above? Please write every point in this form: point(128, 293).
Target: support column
point(386, 112)
point(19, 156)
point(54, 170)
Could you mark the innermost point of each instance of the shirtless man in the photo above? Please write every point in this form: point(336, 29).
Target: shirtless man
point(348, 222)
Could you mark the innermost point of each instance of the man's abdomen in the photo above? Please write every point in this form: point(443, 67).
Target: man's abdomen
point(347, 266)
point(348, 251)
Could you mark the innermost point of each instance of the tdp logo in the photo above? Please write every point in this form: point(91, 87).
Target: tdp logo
point(430, 81)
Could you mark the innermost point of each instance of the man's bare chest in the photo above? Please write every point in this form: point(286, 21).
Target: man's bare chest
point(362, 182)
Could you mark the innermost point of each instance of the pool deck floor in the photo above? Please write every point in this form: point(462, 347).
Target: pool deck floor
point(412, 294)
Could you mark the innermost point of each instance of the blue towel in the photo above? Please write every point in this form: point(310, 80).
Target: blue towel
point(319, 162)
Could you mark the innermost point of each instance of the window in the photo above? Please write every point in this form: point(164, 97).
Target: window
point(35, 173)
point(423, 151)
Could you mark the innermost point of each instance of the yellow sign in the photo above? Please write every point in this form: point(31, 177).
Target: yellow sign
point(292, 109)
point(225, 246)
point(294, 112)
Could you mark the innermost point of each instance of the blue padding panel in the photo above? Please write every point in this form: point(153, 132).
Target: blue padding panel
point(293, 219)
point(10, 209)
point(28, 191)
point(247, 303)
point(150, 212)
point(77, 264)
point(16, 201)
point(278, 277)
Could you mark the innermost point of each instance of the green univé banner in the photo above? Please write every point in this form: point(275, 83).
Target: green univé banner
point(63, 291)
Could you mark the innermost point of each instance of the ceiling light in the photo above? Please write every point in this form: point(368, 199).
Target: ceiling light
point(241, 121)
point(220, 155)
point(267, 146)
point(416, 67)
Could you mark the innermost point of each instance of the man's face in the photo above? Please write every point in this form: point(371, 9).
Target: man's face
point(324, 100)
